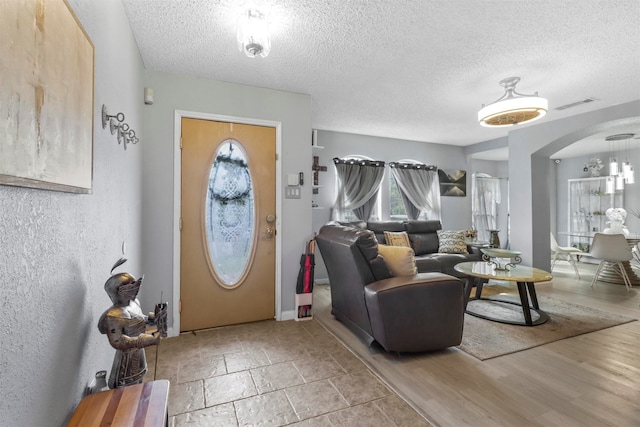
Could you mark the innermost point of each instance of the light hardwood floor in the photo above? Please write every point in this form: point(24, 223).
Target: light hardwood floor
point(588, 380)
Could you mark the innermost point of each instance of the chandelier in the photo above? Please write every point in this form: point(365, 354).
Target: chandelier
point(253, 34)
point(513, 107)
point(619, 173)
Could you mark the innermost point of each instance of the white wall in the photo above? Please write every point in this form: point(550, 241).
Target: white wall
point(56, 249)
point(176, 92)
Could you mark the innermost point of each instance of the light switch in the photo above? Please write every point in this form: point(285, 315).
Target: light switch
point(292, 192)
point(293, 179)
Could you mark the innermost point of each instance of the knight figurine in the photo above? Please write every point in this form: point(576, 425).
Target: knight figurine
point(125, 325)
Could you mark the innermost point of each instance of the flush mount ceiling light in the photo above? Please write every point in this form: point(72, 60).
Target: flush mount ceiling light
point(513, 107)
point(253, 33)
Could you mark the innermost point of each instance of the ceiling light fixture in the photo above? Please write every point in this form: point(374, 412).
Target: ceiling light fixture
point(513, 107)
point(623, 172)
point(253, 33)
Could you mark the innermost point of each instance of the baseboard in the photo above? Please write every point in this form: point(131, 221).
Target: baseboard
point(288, 315)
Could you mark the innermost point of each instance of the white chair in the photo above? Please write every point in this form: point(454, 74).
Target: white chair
point(564, 253)
point(636, 255)
point(613, 250)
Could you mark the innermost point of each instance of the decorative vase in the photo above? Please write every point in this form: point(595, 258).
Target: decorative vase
point(494, 239)
point(100, 382)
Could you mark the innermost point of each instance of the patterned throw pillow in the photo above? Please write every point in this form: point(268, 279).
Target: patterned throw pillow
point(451, 242)
point(400, 260)
point(400, 238)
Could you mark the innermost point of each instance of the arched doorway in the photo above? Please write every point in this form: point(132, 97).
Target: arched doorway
point(530, 173)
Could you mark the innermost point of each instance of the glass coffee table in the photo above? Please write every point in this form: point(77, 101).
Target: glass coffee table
point(502, 310)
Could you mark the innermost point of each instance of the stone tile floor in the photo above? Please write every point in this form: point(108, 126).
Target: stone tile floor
point(272, 374)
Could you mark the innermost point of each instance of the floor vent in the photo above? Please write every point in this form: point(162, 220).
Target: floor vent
point(575, 104)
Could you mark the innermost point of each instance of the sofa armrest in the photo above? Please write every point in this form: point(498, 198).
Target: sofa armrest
point(418, 313)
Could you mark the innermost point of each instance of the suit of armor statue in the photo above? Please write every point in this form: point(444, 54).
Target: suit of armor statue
point(125, 325)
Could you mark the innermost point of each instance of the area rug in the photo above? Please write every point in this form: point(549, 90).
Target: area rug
point(486, 339)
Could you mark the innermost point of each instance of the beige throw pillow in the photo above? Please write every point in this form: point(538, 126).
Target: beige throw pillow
point(451, 242)
point(400, 259)
point(397, 238)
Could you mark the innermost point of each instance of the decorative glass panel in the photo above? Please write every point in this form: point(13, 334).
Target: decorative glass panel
point(229, 213)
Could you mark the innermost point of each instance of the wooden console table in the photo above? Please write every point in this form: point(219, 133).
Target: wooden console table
point(132, 406)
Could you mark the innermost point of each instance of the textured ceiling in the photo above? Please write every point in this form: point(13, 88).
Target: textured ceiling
point(408, 69)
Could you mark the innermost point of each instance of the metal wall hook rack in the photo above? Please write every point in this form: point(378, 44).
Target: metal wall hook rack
point(117, 126)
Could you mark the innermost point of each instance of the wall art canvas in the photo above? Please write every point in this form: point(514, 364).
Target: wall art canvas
point(453, 182)
point(46, 97)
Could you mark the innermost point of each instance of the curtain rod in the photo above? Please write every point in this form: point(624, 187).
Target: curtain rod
point(492, 177)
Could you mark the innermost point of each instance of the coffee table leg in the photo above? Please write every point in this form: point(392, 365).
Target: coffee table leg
point(479, 284)
point(532, 295)
point(524, 300)
point(467, 290)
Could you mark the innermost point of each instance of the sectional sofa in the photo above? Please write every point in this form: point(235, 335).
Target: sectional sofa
point(403, 313)
point(424, 240)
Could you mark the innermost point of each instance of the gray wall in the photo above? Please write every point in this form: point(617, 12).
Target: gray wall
point(176, 92)
point(57, 249)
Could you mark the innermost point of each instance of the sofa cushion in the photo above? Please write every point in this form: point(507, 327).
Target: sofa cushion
point(424, 243)
point(422, 226)
point(427, 263)
point(422, 235)
point(447, 262)
point(451, 242)
point(379, 227)
point(399, 259)
point(354, 224)
point(397, 238)
point(379, 268)
point(363, 238)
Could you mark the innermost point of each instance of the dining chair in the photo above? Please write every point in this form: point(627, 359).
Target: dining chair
point(613, 250)
point(564, 253)
point(636, 255)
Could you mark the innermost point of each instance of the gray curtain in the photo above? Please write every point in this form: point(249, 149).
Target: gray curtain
point(358, 185)
point(419, 187)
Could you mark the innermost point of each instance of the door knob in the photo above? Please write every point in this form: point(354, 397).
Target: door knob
point(270, 218)
point(270, 232)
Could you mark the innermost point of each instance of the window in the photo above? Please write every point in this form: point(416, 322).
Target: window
point(396, 206)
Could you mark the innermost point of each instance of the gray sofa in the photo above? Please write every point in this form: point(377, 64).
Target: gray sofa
point(417, 313)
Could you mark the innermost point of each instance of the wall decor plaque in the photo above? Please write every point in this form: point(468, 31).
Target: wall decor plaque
point(453, 182)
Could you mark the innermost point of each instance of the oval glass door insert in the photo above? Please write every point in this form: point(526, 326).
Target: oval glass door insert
point(230, 214)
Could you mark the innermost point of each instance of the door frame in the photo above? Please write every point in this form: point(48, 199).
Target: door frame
point(177, 193)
